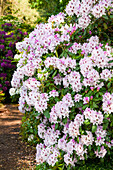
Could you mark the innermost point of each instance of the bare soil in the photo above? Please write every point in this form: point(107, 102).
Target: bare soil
point(14, 154)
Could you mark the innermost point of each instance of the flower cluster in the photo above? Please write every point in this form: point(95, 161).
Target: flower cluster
point(74, 126)
point(67, 86)
point(48, 154)
point(61, 109)
point(100, 134)
point(61, 64)
point(84, 8)
point(74, 80)
point(108, 103)
point(94, 116)
point(57, 19)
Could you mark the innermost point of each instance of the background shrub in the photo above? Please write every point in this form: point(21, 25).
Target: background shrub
point(11, 31)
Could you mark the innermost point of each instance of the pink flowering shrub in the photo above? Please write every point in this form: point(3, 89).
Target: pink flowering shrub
point(66, 87)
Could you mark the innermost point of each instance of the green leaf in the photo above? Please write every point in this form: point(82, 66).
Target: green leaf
point(100, 93)
point(102, 160)
point(65, 120)
point(94, 128)
point(59, 168)
point(111, 61)
point(89, 147)
point(109, 84)
point(80, 129)
point(71, 54)
point(107, 139)
point(85, 146)
point(65, 54)
point(54, 74)
point(95, 105)
point(31, 130)
point(105, 26)
point(90, 93)
point(105, 17)
point(37, 113)
point(70, 45)
point(56, 125)
point(111, 16)
point(46, 113)
point(64, 91)
point(77, 139)
point(105, 126)
point(85, 31)
point(97, 95)
point(106, 121)
point(98, 147)
point(85, 106)
point(62, 54)
point(78, 104)
point(85, 157)
point(87, 122)
point(56, 99)
point(47, 84)
point(106, 116)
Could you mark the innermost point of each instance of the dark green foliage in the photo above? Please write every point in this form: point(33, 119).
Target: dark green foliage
point(29, 127)
point(90, 164)
point(47, 7)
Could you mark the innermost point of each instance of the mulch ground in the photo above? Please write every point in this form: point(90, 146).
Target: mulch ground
point(14, 154)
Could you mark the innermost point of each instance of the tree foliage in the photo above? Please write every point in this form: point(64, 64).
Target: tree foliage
point(47, 8)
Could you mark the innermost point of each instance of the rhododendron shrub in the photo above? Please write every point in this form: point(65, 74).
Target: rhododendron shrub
point(66, 87)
